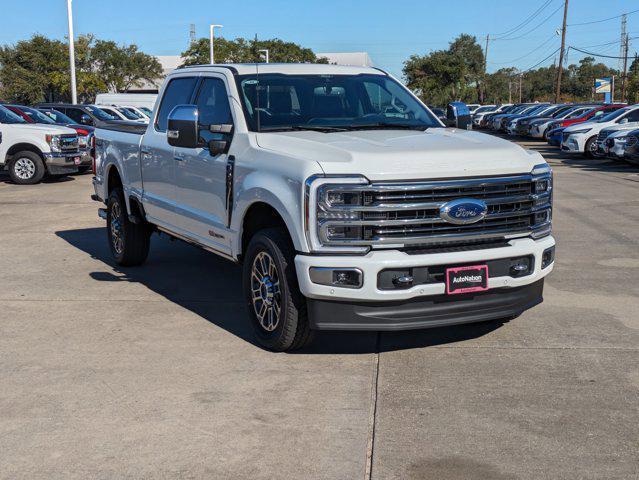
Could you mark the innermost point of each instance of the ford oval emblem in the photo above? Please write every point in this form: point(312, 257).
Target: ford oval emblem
point(463, 211)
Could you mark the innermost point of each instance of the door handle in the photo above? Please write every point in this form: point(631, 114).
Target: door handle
point(179, 157)
point(145, 151)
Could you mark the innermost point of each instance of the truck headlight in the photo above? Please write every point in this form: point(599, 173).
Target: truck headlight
point(54, 142)
point(330, 211)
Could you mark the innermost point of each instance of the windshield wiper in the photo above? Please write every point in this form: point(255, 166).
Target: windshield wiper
point(313, 128)
point(387, 126)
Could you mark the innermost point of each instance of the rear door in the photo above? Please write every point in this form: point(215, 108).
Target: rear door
point(157, 156)
point(201, 177)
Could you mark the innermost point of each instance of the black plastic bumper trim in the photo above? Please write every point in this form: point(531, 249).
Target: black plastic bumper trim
point(424, 312)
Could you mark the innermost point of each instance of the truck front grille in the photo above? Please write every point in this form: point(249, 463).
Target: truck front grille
point(69, 143)
point(408, 214)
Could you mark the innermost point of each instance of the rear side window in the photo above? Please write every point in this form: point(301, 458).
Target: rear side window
point(633, 116)
point(213, 103)
point(177, 92)
point(74, 113)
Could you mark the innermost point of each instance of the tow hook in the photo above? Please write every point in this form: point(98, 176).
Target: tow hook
point(102, 213)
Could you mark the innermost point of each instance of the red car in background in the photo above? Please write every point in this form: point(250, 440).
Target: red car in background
point(555, 129)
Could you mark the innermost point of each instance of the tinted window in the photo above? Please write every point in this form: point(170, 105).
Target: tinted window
point(213, 103)
point(177, 92)
point(7, 116)
point(37, 116)
point(58, 117)
point(633, 116)
point(74, 113)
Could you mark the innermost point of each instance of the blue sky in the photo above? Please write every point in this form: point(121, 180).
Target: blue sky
point(389, 31)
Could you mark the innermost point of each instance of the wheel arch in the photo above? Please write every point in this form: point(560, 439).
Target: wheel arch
point(21, 147)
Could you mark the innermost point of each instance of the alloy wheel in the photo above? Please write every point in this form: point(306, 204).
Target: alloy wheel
point(117, 235)
point(265, 291)
point(24, 168)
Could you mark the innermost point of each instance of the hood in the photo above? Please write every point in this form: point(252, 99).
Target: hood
point(405, 154)
point(44, 129)
point(598, 127)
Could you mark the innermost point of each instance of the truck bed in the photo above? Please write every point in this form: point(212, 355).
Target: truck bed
point(125, 126)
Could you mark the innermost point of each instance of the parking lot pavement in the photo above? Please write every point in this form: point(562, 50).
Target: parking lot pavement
point(152, 372)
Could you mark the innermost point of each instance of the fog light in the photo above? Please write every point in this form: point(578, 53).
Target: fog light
point(343, 233)
point(337, 277)
point(542, 217)
point(548, 257)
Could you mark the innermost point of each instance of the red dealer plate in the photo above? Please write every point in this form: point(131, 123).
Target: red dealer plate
point(466, 279)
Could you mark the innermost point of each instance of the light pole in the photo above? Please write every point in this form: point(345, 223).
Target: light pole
point(265, 52)
point(74, 95)
point(212, 39)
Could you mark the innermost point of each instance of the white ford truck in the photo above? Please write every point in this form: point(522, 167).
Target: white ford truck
point(345, 199)
point(30, 151)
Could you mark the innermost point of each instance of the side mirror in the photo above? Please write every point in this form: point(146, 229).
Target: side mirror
point(183, 127)
point(458, 115)
point(86, 120)
point(221, 144)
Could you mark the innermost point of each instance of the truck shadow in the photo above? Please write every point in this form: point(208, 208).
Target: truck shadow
point(211, 288)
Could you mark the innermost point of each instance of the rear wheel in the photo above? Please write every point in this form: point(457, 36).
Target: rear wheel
point(129, 242)
point(276, 306)
point(26, 168)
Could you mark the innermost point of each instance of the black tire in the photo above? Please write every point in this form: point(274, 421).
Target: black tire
point(129, 242)
point(26, 168)
point(589, 148)
point(291, 329)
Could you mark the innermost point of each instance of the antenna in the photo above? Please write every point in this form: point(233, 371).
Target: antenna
point(192, 34)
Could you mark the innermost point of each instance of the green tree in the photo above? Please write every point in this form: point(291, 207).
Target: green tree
point(123, 67)
point(38, 69)
point(445, 75)
point(242, 50)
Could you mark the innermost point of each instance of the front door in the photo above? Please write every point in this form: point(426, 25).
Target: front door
point(157, 156)
point(200, 176)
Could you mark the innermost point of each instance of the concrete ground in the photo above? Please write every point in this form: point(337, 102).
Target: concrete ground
point(152, 372)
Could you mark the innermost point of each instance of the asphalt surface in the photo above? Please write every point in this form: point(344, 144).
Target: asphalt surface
point(152, 372)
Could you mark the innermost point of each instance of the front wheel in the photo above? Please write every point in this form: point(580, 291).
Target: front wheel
point(276, 306)
point(129, 242)
point(591, 148)
point(26, 168)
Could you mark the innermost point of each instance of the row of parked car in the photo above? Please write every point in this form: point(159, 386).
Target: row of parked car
point(55, 138)
point(588, 129)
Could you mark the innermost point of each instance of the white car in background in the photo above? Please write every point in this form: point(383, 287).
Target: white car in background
point(611, 141)
point(122, 113)
point(479, 114)
point(582, 138)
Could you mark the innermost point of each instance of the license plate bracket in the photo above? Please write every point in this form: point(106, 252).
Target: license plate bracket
point(467, 279)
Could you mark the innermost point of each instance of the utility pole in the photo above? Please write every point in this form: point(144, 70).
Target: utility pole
point(212, 40)
point(625, 44)
point(561, 54)
point(482, 90)
point(521, 75)
point(265, 52)
point(510, 91)
point(192, 35)
point(74, 94)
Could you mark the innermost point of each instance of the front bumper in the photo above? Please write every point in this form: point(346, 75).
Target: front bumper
point(377, 260)
point(63, 162)
point(573, 144)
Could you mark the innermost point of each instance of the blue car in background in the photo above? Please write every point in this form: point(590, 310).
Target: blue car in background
point(554, 136)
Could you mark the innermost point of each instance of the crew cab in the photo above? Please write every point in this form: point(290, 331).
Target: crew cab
point(347, 202)
point(29, 151)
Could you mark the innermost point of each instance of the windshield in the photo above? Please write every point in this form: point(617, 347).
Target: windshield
point(58, 117)
point(7, 116)
point(130, 114)
point(613, 115)
point(485, 109)
point(577, 112)
point(37, 116)
point(99, 114)
point(323, 102)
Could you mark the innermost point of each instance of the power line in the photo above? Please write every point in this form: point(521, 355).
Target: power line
point(541, 61)
point(529, 19)
point(534, 28)
point(539, 47)
point(595, 54)
point(603, 19)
